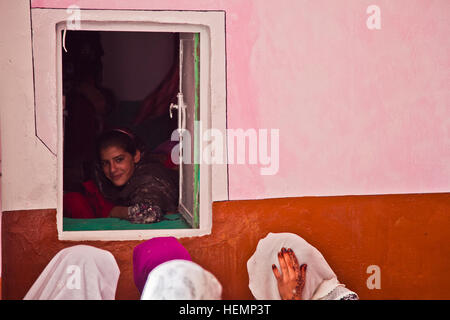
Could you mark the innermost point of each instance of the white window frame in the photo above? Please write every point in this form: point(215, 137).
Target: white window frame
point(47, 25)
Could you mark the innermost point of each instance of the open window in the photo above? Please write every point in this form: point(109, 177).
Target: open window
point(194, 44)
point(135, 80)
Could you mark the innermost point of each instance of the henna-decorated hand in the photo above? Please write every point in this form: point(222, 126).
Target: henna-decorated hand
point(292, 279)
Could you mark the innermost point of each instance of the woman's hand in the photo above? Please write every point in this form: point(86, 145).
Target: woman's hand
point(291, 280)
point(119, 212)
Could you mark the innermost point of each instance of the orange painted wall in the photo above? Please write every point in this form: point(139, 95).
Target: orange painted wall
point(405, 235)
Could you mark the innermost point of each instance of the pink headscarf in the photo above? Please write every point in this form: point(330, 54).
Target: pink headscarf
point(151, 253)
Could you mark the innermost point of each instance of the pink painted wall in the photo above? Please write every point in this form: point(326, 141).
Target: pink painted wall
point(0, 215)
point(359, 111)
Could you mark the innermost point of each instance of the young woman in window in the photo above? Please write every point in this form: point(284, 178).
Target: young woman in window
point(141, 188)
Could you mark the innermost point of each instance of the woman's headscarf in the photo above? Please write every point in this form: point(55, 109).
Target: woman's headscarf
point(77, 273)
point(181, 280)
point(151, 253)
point(320, 278)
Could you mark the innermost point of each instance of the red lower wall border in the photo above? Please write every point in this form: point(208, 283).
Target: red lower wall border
point(407, 236)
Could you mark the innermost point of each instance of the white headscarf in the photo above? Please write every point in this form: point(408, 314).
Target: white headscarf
point(320, 278)
point(181, 280)
point(77, 273)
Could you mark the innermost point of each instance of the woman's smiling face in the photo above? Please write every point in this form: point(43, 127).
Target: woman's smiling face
point(118, 165)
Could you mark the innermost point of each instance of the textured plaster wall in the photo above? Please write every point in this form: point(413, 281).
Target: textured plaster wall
point(359, 111)
point(28, 168)
point(406, 236)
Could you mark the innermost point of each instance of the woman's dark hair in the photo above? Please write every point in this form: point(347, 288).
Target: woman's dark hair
point(120, 137)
